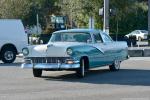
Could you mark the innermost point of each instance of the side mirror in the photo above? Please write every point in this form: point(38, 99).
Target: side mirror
point(89, 41)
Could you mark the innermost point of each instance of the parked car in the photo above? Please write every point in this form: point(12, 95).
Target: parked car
point(140, 34)
point(12, 39)
point(75, 49)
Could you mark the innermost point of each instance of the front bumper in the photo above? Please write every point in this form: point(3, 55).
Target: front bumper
point(50, 66)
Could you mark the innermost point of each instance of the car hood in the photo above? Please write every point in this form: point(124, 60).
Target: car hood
point(37, 50)
point(52, 49)
point(128, 34)
point(58, 49)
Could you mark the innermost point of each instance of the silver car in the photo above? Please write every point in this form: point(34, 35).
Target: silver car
point(140, 34)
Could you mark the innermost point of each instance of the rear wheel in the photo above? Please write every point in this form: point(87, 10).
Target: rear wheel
point(37, 72)
point(115, 66)
point(8, 55)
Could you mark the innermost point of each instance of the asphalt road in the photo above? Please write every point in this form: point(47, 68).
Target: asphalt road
point(132, 82)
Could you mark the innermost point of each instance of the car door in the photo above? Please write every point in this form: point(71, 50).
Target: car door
point(100, 58)
point(109, 48)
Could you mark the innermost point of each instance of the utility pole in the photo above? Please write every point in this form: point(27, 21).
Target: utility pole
point(91, 22)
point(37, 23)
point(106, 16)
point(148, 22)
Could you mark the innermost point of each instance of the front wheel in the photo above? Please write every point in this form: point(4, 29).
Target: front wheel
point(139, 39)
point(81, 71)
point(115, 66)
point(37, 72)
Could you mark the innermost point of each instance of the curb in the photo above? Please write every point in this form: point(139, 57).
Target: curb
point(139, 52)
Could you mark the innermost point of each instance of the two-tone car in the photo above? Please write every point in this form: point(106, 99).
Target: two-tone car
point(75, 49)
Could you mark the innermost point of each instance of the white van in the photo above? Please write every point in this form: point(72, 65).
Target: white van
point(12, 39)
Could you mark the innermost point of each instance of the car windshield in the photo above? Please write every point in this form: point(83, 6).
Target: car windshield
point(70, 37)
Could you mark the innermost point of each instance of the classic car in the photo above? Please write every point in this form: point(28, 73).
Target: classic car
point(75, 49)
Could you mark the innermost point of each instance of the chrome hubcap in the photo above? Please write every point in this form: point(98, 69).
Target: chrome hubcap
point(8, 55)
point(117, 64)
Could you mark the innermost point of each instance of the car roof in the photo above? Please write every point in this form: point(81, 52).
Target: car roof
point(79, 30)
point(140, 30)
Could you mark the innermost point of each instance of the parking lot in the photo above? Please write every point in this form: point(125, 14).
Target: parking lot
point(132, 82)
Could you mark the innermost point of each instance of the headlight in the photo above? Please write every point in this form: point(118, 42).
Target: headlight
point(69, 51)
point(69, 61)
point(25, 51)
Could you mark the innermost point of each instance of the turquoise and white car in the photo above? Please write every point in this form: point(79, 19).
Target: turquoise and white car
point(75, 49)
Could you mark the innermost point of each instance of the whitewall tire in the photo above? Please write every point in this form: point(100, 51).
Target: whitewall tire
point(115, 66)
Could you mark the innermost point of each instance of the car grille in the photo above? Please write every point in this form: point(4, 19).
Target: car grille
point(48, 59)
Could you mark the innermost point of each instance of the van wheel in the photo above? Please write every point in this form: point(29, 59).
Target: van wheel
point(37, 72)
point(8, 55)
point(115, 66)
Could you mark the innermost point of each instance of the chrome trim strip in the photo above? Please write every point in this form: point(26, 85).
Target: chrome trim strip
point(26, 66)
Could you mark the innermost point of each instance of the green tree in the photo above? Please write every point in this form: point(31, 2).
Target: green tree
point(14, 8)
point(79, 11)
point(44, 8)
point(130, 15)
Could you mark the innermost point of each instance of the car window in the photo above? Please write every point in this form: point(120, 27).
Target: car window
point(144, 31)
point(97, 38)
point(134, 32)
point(137, 32)
point(106, 37)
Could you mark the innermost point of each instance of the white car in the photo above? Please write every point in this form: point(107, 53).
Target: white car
point(140, 34)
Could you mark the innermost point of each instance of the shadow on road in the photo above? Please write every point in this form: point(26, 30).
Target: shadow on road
point(122, 77)
point(10, 65)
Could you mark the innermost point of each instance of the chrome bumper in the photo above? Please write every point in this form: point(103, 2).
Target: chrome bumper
point(50, 66)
